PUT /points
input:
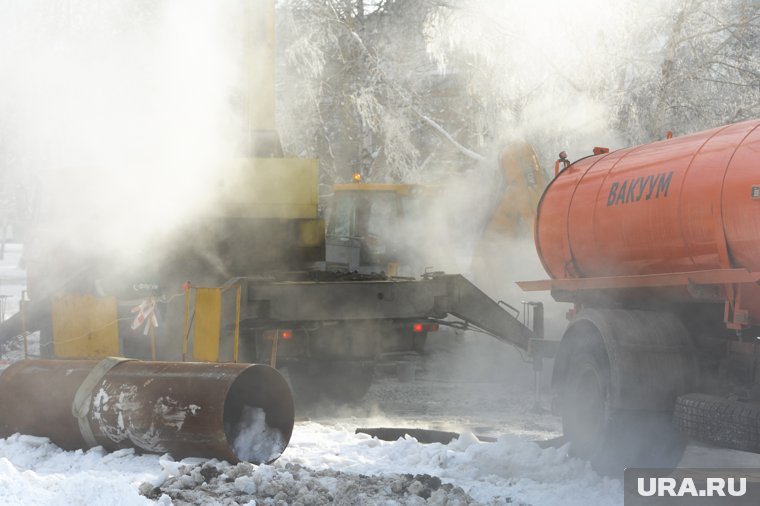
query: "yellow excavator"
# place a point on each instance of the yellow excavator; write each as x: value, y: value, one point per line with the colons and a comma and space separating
x: 383, y: 227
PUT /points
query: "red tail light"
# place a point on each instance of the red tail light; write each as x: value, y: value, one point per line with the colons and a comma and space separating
x: 286, y: 335
x: 419, y: 328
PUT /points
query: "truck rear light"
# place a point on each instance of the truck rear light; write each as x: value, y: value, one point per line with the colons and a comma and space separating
x: 419, y: 328
x: 285, y: 334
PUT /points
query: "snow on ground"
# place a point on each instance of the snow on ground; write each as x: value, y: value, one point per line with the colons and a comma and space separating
x: 323, y: 465
x: 468, y: 385
x: 35, y: 471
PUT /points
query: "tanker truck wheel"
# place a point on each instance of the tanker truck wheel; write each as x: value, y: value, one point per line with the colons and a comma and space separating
x: 719, y: 421
x: 584, y: 415
x: 611, y: 439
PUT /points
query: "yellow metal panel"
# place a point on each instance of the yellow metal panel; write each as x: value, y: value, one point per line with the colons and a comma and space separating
x: 312, y: 233
x: 284, y: 188
x: 208, y: 323
x: 85, y: 327
x: 237, y: 325
x: 402, y: 189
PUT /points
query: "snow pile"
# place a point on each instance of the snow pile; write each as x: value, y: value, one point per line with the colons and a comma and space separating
x: 326, y: 465
x: 214, y: 483
x: 254, y: 440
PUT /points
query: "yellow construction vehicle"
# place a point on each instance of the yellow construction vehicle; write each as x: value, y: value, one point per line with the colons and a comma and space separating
x: 239, y: 283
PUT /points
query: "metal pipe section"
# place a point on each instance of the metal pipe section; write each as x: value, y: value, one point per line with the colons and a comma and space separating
x: 234, y: 412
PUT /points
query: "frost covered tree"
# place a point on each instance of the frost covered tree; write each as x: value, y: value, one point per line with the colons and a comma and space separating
x: 359, y: 91
x: 396, y: 89
x: 631, y: 68
x: 703, y: 71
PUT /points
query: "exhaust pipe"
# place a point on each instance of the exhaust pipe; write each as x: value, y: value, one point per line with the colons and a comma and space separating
x: 232, y: 412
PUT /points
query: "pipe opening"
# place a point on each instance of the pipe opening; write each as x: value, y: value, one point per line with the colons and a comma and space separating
x: 258, y: 415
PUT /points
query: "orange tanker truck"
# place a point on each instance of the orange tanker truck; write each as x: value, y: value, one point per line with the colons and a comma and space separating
x: 658, y: 248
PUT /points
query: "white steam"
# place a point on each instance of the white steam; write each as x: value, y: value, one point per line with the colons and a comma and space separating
x: 255, y: 441
x: 543, y: 69
x: 115, y: 113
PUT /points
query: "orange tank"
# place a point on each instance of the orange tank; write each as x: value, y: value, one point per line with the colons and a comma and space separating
x: 681, y: 205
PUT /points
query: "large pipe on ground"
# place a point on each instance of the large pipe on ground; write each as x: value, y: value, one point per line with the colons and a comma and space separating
x: 235, y: 412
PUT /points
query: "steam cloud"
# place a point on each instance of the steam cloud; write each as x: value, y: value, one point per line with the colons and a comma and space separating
x: 115, y: 114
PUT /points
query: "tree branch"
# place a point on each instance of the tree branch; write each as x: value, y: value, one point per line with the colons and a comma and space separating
x: 438, y: 128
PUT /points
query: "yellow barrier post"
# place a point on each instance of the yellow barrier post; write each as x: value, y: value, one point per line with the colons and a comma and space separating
x: 187, y: 321
x: 207, y: 324
x: 237, y: 325
x: 23, y: 323
x: 152, y: 334
x: 209, y: 317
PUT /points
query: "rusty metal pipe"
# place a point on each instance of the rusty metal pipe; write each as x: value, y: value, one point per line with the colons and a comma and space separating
x: 182, y: 408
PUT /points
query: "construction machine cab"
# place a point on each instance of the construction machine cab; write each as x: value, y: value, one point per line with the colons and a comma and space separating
x: 369, y: 226
x: 397, y: 228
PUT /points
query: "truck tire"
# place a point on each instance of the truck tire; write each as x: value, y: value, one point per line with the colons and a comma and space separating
x: 719, y: 421
x: 584, y: 398
x: 340, y: 382
x: 611, y: 439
